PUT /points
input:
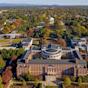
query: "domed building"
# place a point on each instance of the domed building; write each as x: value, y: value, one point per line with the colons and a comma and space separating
x: 51, y: 20
x: 52, y: 51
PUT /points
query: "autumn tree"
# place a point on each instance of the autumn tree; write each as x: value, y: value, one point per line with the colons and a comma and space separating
x: 61, y: 42
x: 7, y: 75
x: 13, y: 58
x: 2, y: 62
x: 59, y: 24
x: 29, y: 31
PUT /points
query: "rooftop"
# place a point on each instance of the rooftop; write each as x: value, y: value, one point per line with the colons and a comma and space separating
x: 51, y: 48
x: 53, y: 61
x: 27, y: 40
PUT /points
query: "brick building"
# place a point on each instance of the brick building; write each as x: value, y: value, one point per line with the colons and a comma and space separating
x: 54, y: 68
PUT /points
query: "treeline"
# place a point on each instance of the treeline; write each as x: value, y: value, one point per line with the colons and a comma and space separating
x: 75, y: 20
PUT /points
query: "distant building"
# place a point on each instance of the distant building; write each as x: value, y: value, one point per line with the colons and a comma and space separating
x: 10, y: 20
x: 11, y: 35
x: 42, y: 24
x: 81, y: 44
x: 51, y: 20
x: 82, y: 41
x: 1, y: 11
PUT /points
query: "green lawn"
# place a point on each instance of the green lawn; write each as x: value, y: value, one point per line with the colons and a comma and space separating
x: 10, y: 40
x: 16, y: 40
x: 4, y: 40
x: 76, y: 86
x: 51, y: 87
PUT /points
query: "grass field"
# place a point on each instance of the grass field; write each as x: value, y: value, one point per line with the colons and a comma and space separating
x: 10, y: 40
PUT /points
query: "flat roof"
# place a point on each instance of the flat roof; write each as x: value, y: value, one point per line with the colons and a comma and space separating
x: 53, y: 61
x: 27, y: 40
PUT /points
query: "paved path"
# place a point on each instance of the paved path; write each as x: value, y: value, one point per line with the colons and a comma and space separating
x: 44, y: 83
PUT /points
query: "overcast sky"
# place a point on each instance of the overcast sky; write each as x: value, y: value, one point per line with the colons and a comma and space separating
x: 48, y: 2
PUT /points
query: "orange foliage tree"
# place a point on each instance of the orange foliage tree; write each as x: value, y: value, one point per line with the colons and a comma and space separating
x: 7, y: 75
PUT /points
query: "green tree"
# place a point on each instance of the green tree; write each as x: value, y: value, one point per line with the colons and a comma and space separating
x: 47, y: 33
x: 28, y: 77
x: 59, y: 32
x: 2, y: 62
x: 24, y: 83
x: 73, y: 78
x: 1, y: 85
x: 19, y: 52
x: 51, y: 86
x: 79, y: 81
x: 40, y: 85
x: 67, y: 81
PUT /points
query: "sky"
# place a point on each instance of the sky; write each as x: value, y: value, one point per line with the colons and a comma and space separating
x: 47, y: 2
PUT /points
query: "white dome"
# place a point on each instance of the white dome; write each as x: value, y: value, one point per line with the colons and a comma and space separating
x: 52, y: 52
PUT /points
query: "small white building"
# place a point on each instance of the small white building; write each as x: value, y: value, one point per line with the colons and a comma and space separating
x: 27, y: 43
x: 82, y: 41
x: 80, y: 44
x: 51, y: 20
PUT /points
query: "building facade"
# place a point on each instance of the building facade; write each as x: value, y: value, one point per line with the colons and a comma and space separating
x: 53, y: 68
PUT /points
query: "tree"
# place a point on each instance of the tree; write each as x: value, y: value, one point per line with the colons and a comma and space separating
x: 61, y: 42
x: 79, y: 81
x: 7, y: 75
x: 19, y: 52
x: 29, y: 32
x: 13, y: 58
x: 59, y: 32
x: 80, y: 30
x: 39, y: 85
x: 24, y: 83
x: 5, y: 54
x: 9, y: 54
x: 46, y: 33
x: 73, y: 79
x: 28, y: 77
x: 1, y: 85
x: 67, y: 81
x: 2, y: 63
x: 51, y: 86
